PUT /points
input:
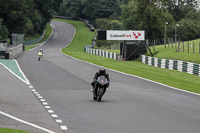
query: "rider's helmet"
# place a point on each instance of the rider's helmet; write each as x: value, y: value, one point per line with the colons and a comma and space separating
x: 102, y: 71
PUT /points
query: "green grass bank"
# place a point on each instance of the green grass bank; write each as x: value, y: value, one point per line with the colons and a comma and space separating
x: 5, y: 130
x: 185, y: 54
x: 169, y: 77
x: 47, y: 34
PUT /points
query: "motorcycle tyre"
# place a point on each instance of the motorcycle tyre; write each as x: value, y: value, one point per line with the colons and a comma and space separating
x: 100, y: 94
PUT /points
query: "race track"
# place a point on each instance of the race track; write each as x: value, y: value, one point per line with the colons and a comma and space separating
x: 131, y: 105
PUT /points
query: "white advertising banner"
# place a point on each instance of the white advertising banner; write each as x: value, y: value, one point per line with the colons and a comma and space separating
x: 125, y: 35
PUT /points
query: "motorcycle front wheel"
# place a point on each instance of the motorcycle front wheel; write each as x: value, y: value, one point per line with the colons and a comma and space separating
x: 100, y: 94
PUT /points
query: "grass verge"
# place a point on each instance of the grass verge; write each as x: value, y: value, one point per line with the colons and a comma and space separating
x: 32, y: 37
x: 47, y: 34
x: 169, y: 77
x: 5, y: 130
x: 170, y: 53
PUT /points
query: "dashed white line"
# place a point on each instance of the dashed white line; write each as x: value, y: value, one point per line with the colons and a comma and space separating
x: 63, y: 127
x: 37, y: 94
x: 54, y: 116
x: 47, y: 107
x: 50, y: 111
x: 31, y: 87
x: 42, y: 100
x: 33, y: 90
x: 45, y: 103
x: 59, y: 121
x: 40, y: 97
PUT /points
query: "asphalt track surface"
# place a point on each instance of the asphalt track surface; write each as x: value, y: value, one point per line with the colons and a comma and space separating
x: 131, y: 105
x: 17, y: 100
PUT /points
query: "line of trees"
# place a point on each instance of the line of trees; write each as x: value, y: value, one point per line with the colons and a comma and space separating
x: 148, y: 15
x: 26, y: 16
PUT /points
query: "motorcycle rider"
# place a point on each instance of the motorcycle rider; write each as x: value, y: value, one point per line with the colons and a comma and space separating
x: 102, y: 72
x: 40, y: 51
x: 40, y: 54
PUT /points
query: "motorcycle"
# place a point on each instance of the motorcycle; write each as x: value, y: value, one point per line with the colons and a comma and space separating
x: 102, y: 84
x: 40, y: 54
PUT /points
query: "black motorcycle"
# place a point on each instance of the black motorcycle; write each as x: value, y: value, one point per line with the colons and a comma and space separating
x: 102, y: 84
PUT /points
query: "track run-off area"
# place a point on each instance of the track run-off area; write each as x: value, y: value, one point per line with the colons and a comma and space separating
x: 58, y: 97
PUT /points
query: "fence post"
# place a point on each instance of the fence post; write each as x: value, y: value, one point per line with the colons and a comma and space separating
x: 179, y: 45
x: 193, y: 48
x: 188, y: 47
x: 175, y: 46
x: 199, y: 47
x: 168, y: 42
x: 183, y: 47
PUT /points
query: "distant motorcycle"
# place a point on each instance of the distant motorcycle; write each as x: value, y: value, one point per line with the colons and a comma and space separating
x: 40, y: 54
x: 102, y: 84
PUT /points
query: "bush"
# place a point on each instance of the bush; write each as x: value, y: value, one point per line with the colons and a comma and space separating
x: 115, y: 25
x: 102, y: 23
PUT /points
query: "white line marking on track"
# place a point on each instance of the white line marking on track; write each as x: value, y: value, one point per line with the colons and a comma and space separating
x: 51, y: 111
x: 47, y: 107
x: 14, y: 74
x: 133, y: 75
x: 42, y: 100
x: 54, y: 116
x: 27, y: 81
x: 63, y: 127
x: 43, y: 42
x: 25, y: 122
x: 59, y: 121
x: 45, y: 103
x: 33, y: 90
x: 31, y: 87
x: 40, y: 97
x: 127, y: 73
x: 36, y: 92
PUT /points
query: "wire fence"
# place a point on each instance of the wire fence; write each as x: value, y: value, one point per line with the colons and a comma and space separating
x: 179, y: 46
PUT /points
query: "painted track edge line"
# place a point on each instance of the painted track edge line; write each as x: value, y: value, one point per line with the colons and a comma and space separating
x: 43, y: 42
x: 126, y: 73
x: 134, y: 76
x: 14, y: 73
x: 27, y: 123
x: 27, y: 81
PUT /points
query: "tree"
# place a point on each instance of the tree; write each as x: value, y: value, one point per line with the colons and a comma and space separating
x: 179, y: 8
x: 3, y: 31
x: 145, y: 15
x: 94, y: 9
x: 189, y: 26
x: 73, y: 9
x: 46, y: 9
x: 115, y: 25
x: 14, y: 15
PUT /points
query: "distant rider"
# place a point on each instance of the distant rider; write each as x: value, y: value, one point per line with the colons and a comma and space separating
x: 40, y: 52
x: 102, y: 72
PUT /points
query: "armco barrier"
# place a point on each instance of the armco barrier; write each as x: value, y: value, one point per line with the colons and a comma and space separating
x: 181, y: 66
x: 103, y: 53
x: 36, y: 40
